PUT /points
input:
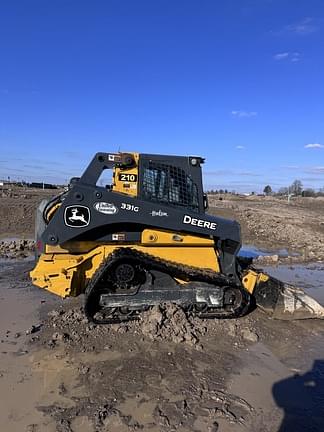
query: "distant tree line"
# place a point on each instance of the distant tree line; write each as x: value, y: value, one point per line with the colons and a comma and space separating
x: 295, y: 189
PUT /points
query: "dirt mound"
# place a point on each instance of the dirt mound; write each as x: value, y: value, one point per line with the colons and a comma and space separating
x: 169, y: 322
x: 165, y: 323
x: 18, y: 209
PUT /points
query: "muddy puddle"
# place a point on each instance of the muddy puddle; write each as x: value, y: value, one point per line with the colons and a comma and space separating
x: 252, y: 251
x: 309, y: 277
x: 20, y: 386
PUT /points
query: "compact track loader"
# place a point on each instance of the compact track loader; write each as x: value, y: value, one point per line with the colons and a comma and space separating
x: 146, y: 239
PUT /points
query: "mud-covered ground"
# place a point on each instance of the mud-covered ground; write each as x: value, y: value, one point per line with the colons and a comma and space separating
x: 164, y: 373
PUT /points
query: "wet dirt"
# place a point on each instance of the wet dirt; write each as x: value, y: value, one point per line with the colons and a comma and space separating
x: 163, y: 373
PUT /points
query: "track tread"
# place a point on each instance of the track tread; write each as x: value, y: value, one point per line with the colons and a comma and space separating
x: 172, y: 268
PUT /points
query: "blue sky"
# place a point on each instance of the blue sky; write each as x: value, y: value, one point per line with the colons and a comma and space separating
x: 240, y: 82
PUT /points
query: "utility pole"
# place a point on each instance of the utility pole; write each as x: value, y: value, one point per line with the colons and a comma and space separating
x: 289, y: 195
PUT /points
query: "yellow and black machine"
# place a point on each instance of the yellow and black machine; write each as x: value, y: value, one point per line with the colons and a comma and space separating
x: 146, y: 239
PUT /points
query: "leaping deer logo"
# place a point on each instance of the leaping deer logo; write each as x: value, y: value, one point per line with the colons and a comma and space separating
x: 76, y: 217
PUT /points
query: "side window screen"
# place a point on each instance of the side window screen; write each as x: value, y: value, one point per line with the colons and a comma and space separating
x: 168, y: 184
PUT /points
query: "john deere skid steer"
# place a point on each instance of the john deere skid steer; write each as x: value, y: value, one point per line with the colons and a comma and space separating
x: 146, y: 239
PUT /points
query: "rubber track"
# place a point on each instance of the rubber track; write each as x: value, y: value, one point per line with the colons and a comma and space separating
x: 171, y: 268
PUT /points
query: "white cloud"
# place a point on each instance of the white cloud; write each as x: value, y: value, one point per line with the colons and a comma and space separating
x: 289, y: 56
x: 315, y: 145
x: 218, y: 173
x: 240, y: 147
x: 302, y: 27
x: 242, y: 114
x: 292, y: 167
x: 281, y: 56
x: 315, y: 170
x: 249, y: 174
x: 319, y: 169
x: 295, y: 57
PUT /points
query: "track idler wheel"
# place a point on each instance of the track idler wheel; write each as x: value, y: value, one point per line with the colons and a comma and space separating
x: 233, y: 298
x: 237, y: 302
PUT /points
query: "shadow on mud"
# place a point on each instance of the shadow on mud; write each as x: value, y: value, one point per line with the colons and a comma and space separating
x: 302, y: 399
